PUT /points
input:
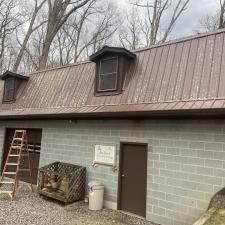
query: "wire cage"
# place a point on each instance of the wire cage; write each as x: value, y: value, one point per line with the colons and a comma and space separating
x: 62, y: 181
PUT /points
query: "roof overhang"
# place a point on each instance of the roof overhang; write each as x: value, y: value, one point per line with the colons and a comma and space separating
x: 12, y: 74
x: 106, y: 50
x: 126, y: 115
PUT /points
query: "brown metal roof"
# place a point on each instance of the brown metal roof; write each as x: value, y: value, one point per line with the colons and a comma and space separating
x: 186, y: 75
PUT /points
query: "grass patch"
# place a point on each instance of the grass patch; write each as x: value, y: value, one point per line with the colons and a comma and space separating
x: 215, y: 219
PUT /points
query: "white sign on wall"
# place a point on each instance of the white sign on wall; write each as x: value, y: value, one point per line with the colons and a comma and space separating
x: 105, y: 155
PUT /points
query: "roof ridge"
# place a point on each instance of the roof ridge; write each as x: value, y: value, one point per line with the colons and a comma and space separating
x: 60, y: 67
x: 182, y: 39
x: 175, y: 41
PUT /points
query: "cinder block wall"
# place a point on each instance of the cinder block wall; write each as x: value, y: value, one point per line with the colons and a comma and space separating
x: 186, y: 159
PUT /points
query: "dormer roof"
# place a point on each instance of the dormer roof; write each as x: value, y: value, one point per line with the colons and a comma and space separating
x: 12, y: 74
x: 107, y: 50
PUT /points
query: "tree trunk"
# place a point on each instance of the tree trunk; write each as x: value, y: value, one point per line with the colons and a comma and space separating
x: 23, y: 47
x: 27, y: 37
x: 57, y: 16
x: 221, y: 19
x: 45, y: 51
x: 52, y: 29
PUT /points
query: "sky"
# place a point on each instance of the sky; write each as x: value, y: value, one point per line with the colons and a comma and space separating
x: 189, y: 21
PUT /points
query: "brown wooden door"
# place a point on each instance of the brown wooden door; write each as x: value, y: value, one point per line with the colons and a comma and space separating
x: 133, y: 178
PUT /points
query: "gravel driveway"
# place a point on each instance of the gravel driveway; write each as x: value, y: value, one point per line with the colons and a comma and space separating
x: 30, y: 209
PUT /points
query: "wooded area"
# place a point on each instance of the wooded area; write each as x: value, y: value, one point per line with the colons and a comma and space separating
x: 38, y: 34
x: 214, y: 21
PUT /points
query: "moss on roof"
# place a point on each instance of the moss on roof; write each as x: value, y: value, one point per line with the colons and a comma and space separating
x: 216, y: 219
x: 212, y: 217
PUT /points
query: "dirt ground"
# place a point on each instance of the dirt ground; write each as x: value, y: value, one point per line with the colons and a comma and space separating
x: 31, y: 209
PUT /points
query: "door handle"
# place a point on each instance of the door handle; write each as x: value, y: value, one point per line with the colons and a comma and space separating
x: 122, y: 175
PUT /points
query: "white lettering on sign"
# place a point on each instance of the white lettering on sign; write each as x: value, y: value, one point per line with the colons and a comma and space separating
x: 105, y: 154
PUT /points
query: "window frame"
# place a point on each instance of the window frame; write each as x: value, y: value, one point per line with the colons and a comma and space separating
x: 5, y: 99
x: 99, y: 75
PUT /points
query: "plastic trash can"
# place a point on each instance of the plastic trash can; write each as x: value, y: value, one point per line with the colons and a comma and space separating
x: 96, y: 192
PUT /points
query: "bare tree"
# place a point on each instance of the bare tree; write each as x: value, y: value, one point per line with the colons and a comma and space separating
x: 77, y: 27
x: 222, y: 14
x: 8, y: 24
x: 58, y: 32
x: 155, y: 11
x: 35, y: 51
x: 31, y: 57
x: 208, y: 23
x: 130, y: 33
x: 30, y: 30
x: 106, y: 23
x: 58, y: 13
x: 213, y: 21
x: 88, y: 30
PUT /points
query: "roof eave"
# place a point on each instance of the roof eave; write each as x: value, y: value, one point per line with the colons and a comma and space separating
x: 155, y: 114
x: 12, y: 74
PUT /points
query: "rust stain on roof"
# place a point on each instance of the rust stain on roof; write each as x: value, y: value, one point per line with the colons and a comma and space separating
x: 187, y: 74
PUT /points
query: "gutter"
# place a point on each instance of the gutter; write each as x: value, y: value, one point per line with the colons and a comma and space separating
x: 155, y: 114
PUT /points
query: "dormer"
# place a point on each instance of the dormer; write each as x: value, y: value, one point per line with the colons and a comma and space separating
x: 11, y: 85
x: 112, y: 63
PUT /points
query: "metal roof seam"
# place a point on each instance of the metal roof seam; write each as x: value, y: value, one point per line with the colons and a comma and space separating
x: 177, y: 72
x: 223, y: 49
x: 182, y: 89
x: 194, y: 68
x: 155, y: 75
x: 201, y: 76
x: 210, y: 75
x: 183, y: 75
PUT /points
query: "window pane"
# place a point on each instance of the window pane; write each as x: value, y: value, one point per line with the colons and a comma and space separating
x: 9, y: 95
x: 9, y: 89
x: 108, y: 66
x: 9, y: 83
x: 107, y: 82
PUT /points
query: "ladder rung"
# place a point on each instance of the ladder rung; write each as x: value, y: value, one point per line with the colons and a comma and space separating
x: 24, y: 170
x: 7, y: 182
x: 12, y: 164
x: 16, y: 146
x: 20, y: 131
x: 13, y: 155
x: 10, y: 173
x: 7, y: 192
x: 17, y: 139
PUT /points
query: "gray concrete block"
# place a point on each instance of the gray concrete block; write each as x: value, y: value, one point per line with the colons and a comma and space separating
x: 197, y: 145
x: 213, y: 146
x: 159, y: 211
x: 186, y: 160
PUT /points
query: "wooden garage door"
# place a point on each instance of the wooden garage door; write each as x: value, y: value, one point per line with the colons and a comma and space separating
x: 133, y: 178
x: 34, y: 147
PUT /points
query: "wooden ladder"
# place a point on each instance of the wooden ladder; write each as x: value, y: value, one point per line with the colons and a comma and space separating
x: 17, y: 152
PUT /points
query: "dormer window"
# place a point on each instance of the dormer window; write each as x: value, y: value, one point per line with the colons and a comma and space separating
x: 11, y: 86
x: 112, y: 63
x: 108, y: 73
x: 9, y: 89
